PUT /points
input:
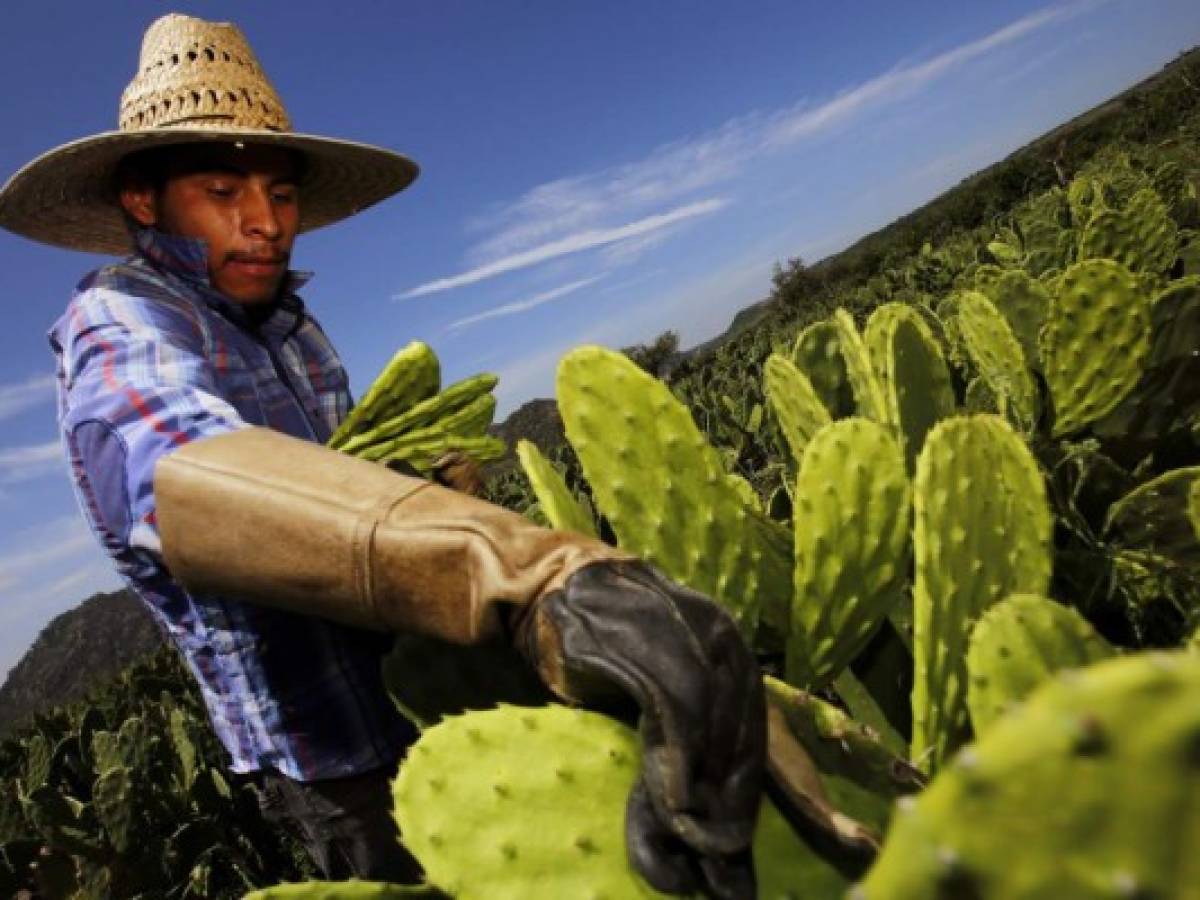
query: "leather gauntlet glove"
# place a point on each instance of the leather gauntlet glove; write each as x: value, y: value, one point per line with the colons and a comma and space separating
x: 275, y: 520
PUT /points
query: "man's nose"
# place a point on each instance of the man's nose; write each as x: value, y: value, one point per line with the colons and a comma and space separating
x: 259, y: 216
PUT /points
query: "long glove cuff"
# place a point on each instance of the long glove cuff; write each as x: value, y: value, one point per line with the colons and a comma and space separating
x: 272, y: 519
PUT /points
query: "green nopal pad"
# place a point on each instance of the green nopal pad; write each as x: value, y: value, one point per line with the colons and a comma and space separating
x: 411, y: 376
x: 793, y: 399
x: 560, y: 506
x: 1095, y: 341
x: 851, y: 520
x: 882, y: 324
x: 1091, y: 789
x: 344, y: 890
x: 466, y: 407
x: 1142, y: 237
x: 818, y: 354
x: 868, y: 391
x: 1168, y: 392
x: 1194, y: 508
x: 1024, y: 302
x: 982, y: 532
x: 841, y: 746
x: 1157, y: 518
x: 917, y: 384
x: 997, y: 355
x: 664, y: 488
x: 530, y: 802
x: 979, y: 397
x: 1017, y: 645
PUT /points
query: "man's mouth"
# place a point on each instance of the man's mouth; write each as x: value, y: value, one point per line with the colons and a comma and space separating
x: 255, y: 264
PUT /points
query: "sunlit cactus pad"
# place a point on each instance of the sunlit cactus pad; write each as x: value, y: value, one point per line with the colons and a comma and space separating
x: 981, y: 532
x: 344, y: 890
x: 1095, y: 341
x: 664, y: 489
x: 1020, y: 643
x: 523, y: 802
x: 1091, y: 789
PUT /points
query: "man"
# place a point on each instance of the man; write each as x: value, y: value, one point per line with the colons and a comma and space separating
x: 195, y: 393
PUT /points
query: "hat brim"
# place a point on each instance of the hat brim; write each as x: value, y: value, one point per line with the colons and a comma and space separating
x: 67, y: 197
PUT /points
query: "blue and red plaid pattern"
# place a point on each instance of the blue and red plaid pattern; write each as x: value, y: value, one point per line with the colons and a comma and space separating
x: 149, y: 357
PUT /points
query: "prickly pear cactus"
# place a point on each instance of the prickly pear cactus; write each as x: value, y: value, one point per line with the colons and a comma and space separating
x: 664, y: 489
x: 1142, y: 237
x: 1089, y: 790
x: 1095, y: 341
x: 982, y: 532
x: 1024, y: 302
x: 979, y: 398
x: 1156, y: 518
x: 818, y: 354
x: 851, y: 521
x: 997, y: 355
x: 411, y: 376
x: 868, y: 392
x: 799, y: 410
x: 519, y: 802
x: 1194, y: 508
x: 561, y: 507
x: 916, y: 384
x: 1017, y: 645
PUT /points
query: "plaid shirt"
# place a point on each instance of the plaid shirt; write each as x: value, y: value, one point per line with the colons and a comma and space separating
x: 149, y: 357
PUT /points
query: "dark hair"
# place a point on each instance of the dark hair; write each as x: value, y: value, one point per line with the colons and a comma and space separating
x: 154, y: 165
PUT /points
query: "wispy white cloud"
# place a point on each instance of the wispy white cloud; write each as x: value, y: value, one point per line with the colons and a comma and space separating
x: 574, y: 243
x: 26, y: 463
x: 519, y: 306
x: 551, y: 217
x: 44, y: 547
x: 16, y: 398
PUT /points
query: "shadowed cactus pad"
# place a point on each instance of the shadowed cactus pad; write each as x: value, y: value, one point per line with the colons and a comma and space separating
x: 1023, y: 301
x: 664, y: 490
x: 818, y: 354
x: 982, y: 532
x: 851, y: 520
x: 1017, y: 645
x: 1091, y: 789
x: 530, y: 802
x: 1156, y: 518
x: 1095, y: 341
x: 561, y: 507
x: 793, y: 399
x: 997, y: 355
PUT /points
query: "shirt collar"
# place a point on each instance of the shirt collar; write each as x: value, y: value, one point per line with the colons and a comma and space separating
x: 187, y: 257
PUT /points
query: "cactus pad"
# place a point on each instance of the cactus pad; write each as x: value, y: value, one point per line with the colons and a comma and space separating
x: 997, y: 355
x: 868, y: 391
x: 800, y: 412
x: 1095, y: 341
x: 411, y: 376
x: 851, y: 520
x: 519, y: 802
x: 1017, y: 645
x: 1140, y: 237
x: 818, y: 354
x: 1091, y: 789
x: 1156, y: 518
x: 1023, y: 301
x: 664, y: 489
x: 982, y: 532
x: 916, y: 383
x: 561, y: 507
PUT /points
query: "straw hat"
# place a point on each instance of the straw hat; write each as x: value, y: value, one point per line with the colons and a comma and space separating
x: 196, y: 81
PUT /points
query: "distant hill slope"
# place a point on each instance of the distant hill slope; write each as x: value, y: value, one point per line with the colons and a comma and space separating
x: 77, y: 651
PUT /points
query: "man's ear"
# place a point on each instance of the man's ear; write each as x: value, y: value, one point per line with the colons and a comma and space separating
x: 138, y: 200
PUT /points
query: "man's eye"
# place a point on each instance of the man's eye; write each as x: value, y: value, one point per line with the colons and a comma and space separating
x: 284, y: 196
x: 220, y: 190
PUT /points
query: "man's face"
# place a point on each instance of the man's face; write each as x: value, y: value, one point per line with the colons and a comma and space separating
x: 242, y: 201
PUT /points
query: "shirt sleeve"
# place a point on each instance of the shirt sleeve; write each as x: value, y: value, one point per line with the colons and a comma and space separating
x: 137, y: 383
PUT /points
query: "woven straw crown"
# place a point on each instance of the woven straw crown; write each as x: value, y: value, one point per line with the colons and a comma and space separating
x: 196, y: 82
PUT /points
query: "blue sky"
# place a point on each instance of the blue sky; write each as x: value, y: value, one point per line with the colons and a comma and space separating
x: 591, y: 172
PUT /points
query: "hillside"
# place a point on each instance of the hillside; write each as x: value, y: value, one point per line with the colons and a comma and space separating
x: 77, y: 651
